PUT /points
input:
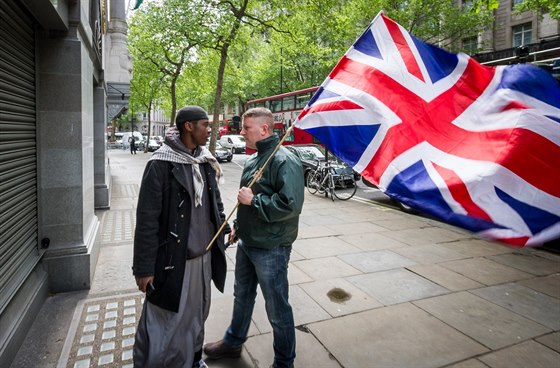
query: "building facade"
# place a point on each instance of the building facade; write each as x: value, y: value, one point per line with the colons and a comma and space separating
x: 539, y: 33
x: 156, y: 124
x: 53, y: 161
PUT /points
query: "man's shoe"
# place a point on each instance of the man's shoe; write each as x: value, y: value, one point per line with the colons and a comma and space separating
x: 219, y: 349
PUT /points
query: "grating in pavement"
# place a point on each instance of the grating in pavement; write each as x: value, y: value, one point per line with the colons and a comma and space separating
x: 102, y: 332
x: 118, y: 226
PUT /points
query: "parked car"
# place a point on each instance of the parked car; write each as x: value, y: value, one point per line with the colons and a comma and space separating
x: 235, y: 142
x: 157, y: 138
x: 311, y: 154
x: 402, y: 206
x: 153, y: 145
x: 222, y: 153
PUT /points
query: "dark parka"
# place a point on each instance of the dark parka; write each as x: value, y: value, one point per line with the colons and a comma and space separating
x: 272, y: 218
x: 162, y: 230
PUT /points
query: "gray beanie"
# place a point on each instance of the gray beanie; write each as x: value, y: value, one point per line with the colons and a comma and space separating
x: 190, y: 113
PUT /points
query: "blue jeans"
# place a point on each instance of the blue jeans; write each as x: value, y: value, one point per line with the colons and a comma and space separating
x: 269, y: 269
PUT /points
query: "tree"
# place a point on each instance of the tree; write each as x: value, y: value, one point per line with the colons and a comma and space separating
x: 145, y: 88
x: 257, y: 48
x: 168, y: 34
x: 552, y: 7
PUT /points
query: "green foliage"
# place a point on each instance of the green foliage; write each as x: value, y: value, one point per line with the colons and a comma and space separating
x: 552, y: 7
x: 274, y: 46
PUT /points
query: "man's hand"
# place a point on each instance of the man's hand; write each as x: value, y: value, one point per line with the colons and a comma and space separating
x: 232, y: 238
x: 245, y: 196
x: 142, y: 282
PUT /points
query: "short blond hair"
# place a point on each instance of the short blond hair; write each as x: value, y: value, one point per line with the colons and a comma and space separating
x: 261, y: 112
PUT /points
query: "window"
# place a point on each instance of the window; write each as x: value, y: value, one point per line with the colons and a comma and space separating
x: 470, y: 45
x: 521, y: 35
x: 515, y: 2
x: 301, y: 100
x: 275, y: 105
x: 288, y: 103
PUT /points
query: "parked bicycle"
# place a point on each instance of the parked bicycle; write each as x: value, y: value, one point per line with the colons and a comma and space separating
x: 325, y: 180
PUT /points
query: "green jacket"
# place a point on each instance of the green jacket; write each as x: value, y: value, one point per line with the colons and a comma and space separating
x: 272, y: 218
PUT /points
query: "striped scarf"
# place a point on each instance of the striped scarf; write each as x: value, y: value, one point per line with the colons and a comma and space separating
x: 173, y: 150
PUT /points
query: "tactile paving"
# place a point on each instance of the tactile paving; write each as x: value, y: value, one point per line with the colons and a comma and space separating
x: 102, y: 332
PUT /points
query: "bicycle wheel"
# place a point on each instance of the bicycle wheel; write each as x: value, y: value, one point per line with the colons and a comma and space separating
x: 344, y: 186
x: 313, y: 182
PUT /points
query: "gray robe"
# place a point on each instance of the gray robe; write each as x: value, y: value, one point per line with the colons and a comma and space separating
x: 168, y: 339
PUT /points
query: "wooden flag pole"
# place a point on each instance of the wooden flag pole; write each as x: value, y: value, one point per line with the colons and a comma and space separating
x: 256, y: 177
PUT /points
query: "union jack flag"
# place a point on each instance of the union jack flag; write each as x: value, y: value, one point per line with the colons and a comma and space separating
x: 475, y: 146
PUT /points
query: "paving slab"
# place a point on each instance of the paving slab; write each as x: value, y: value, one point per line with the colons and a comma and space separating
x: 549, y: 285
x: 228, y: 287
x: 296, y: 275
x: 396, y: 286
x: 115, y: 264
x: 527, y: 354
x: 429, y: 254
x: 326, y: 268
x: 471, y: 363
x: 356, y: 228
x: 339, y: 297
x: 219, y: 319
x: 486, y: 271
x: 423, y: 235
x: 486, y: 322
x: 445, y: 277
x: 373, y: 213
x: 551, y: 340
x: 359, y: 216
x: 524, y: 301
x: 323, y: 247
x: 305, y: 310
x: 478, y: 247
x: 396, y: 336
x: 529, y: 261
x: 295, y: 256
x: 402, y: 223
x: 371, y: 241
x: 315, y: 231
x: 379, y: 260
x: 316, y: 219
x: 309, y: 352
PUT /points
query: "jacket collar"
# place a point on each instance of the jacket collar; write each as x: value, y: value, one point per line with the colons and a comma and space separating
x: 266, y: 145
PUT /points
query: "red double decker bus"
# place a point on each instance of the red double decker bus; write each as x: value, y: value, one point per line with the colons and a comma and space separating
x: 285, y: 108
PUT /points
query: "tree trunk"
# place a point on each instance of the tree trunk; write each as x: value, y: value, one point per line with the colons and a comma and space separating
x: 173, y: 90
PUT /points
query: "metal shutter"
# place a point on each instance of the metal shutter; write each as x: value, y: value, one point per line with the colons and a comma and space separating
x: 18, y: 150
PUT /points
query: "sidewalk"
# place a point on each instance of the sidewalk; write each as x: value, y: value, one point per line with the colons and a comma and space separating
x: 370, y: 287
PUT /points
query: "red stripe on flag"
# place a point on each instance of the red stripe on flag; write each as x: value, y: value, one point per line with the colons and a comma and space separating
x: 331, y: 106
x: 460, y: 193
x: 335, y: 106
x: 404, y: 48
x: 515, y: 242
x: 514, y: 105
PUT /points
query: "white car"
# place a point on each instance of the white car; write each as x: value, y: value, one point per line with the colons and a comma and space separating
x: 235, y: 142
